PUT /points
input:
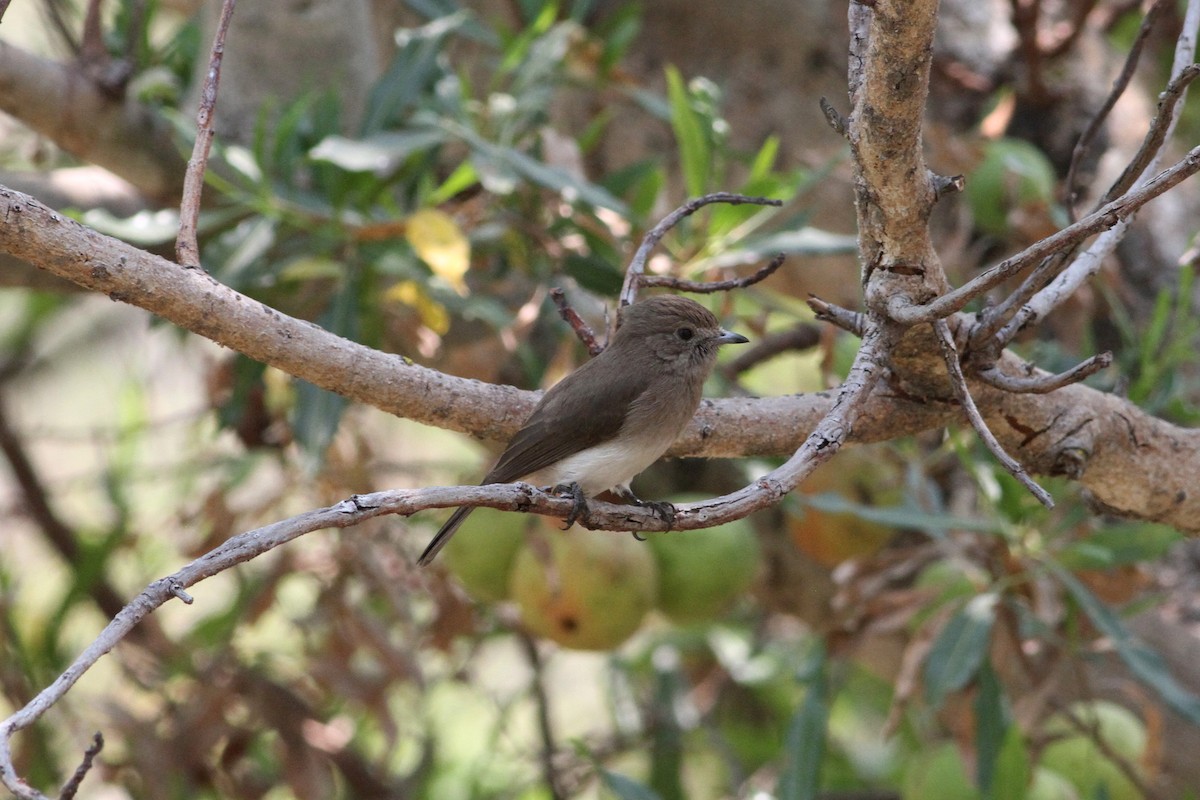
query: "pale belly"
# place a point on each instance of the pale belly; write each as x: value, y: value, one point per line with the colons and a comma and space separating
x: 603, y: 467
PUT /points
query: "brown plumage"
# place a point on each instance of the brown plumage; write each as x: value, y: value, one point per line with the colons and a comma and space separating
x: 618, y: 413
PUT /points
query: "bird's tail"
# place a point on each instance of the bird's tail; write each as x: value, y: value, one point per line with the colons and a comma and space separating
x: 443, y: 535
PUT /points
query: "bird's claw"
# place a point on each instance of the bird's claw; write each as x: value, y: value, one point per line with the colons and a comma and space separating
x: 580, y: 507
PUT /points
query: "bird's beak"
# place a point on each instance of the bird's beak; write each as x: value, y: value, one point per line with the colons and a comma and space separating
x: 729, y: 337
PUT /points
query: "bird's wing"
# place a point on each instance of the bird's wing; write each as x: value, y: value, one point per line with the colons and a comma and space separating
x: 554, y: 431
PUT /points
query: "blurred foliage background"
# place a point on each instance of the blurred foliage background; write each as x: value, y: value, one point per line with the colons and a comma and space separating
x: 912, y: 625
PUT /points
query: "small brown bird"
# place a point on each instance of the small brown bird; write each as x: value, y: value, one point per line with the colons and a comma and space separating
x: 597, y: 428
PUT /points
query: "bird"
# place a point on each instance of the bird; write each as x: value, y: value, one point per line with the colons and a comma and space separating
x: 616, y: 414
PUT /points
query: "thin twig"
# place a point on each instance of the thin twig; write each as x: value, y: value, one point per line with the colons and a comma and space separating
x: 844, y: 318
x: 708, y: 287
x: 834, y: 117
x: 959, y: 385
x: 71, y: 788
x: 187, y: 249
x: 570, y: 316
x: 1066, y: 281
x: 1084, y: 144
x: 1110, y: 215
x: 1168, y: 104
x: 637, y: 267
x: 542, y: 703
x: 1043, y: 384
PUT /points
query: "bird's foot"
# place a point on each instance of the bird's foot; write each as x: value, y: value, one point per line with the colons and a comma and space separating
x: 580, y: 508
x: 660, y: 508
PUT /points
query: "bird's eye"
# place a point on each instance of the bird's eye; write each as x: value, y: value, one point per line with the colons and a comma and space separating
x: 685, y: 333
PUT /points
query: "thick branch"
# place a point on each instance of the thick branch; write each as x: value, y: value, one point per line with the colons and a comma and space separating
x: 722, y: 428
x: 61, y: 103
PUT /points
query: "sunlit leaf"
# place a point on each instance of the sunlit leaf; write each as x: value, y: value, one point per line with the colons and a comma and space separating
x: 380, y: 153
x: 694, y: 154
x: 410, y: 293
x: 440, y: 243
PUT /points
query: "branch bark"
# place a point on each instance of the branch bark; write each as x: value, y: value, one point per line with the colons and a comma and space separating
x: 120, y: 135
x: 1112, y: 463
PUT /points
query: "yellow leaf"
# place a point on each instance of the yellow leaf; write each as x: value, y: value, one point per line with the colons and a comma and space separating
x: 441, y: 244
x: 432, y: 313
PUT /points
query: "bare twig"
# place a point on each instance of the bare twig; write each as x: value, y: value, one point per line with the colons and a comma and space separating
x: 1083, y: 145
x: 1043, y: 384
x: 1102, y: 219
x: 1025, y: 17
x: 542, y: 704
x: 570, y: 316
x: 637, y: 267
x: 844, y: 318
x: 187, y: 250
x: 1169, y: 102
x: 1064, y: 282
x: 71, y: 788
x: 833, y: 117
x: 959, y: 384
x: 708, y: 287
x: 947, y: 184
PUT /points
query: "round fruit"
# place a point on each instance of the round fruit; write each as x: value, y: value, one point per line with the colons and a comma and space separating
x: 938, y: 774
x: 1013, y: 175
x: 858, y: 476
x: 587, y: 590
x: 701, y: 573
x: 1081, y: 761
x: 481, y: 554
x: 1049, y: 785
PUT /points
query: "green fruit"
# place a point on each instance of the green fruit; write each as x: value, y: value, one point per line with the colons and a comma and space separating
x: 701, y: 573
x: 587, y: 590
x: 481, y: 554
x: 938, y: 774
x: 1013, y: 174
x: 1049, y: 785
x: 1081, y: 761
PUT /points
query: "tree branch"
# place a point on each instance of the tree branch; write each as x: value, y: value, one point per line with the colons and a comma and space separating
x: 122, y: 136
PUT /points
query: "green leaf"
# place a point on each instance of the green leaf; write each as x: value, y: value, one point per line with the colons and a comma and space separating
x: 1120, y: 544
x: 694, y: 153
x: 960, y: 648
x: 804, y: 747
x: 666, y: 744
x: 1146, y: 664
x: 413, y: 70
x: 899, y: 516
x: 379, y: 153
x: 626, y: 788
x: 594, y: 274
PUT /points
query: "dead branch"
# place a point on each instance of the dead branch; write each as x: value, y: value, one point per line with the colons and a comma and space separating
x: 709, y: 287
x: 637, y: 266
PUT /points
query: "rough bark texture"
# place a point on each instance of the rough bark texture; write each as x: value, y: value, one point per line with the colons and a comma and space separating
x: 1130, y: 462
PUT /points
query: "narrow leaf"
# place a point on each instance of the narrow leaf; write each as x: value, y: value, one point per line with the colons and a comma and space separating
x: 960, y: 649
x: 1146, y: 664
x: 693, y: 144
x: 626, y: 788
x: 804, y: 748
